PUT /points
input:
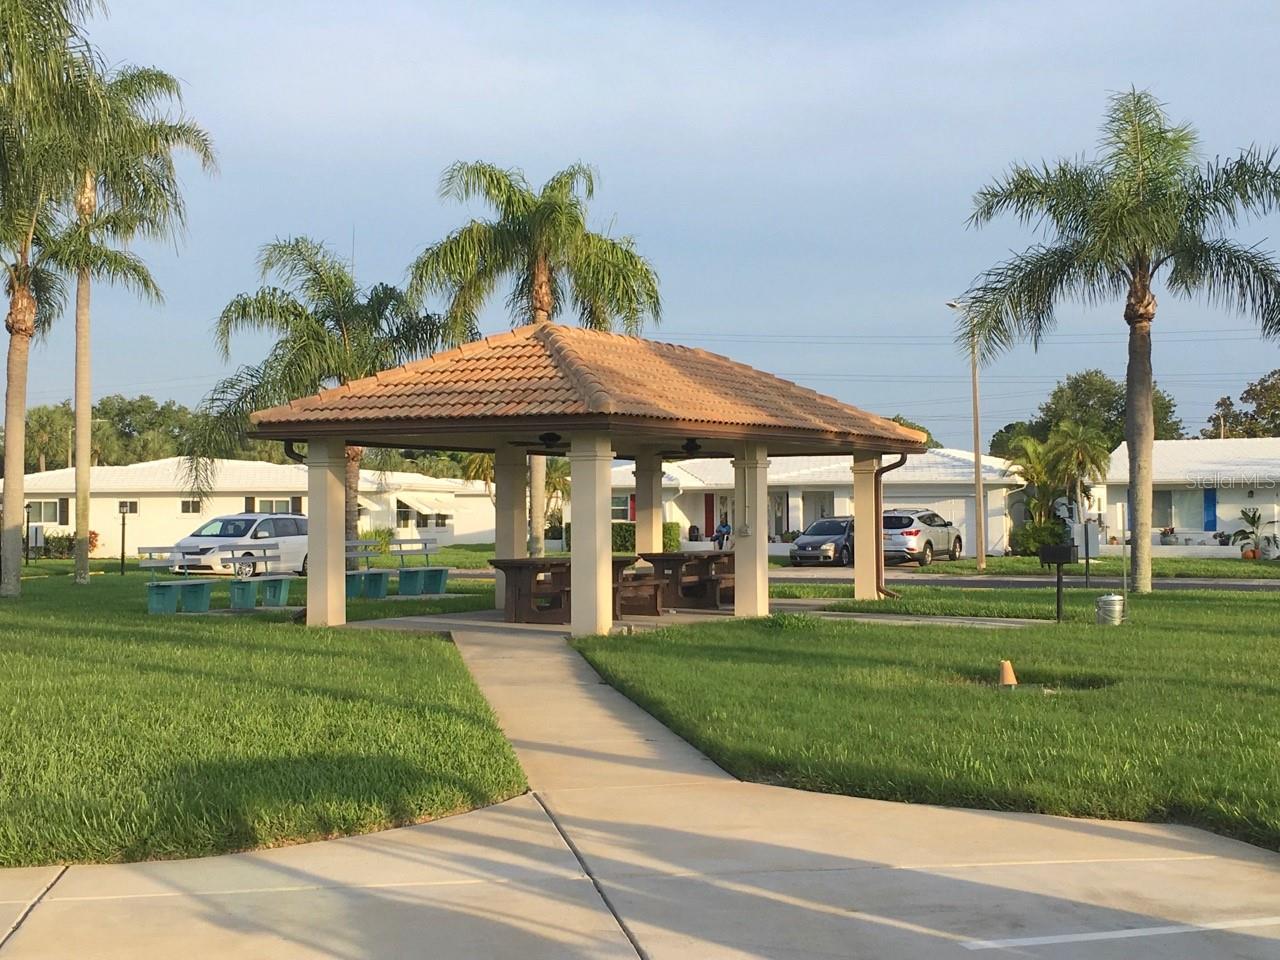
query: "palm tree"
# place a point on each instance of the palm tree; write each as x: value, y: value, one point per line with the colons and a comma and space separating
x: 1029, y: 461
x: 38, y: 247
x: 540, y: 245
x: 478, y: 468
x: 557, y: 483
x: 1077, y: 455
x: 46, y: 433
x: 1145, y: 210
x: 330, y: 331
x: 126, y: 185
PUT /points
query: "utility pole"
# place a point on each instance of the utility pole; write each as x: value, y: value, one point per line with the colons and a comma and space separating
x: 979, y: 499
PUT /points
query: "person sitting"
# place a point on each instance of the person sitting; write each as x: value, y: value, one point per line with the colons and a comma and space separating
x: 723, y: 532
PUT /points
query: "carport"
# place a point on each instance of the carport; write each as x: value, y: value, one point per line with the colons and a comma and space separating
x: 594, y: 397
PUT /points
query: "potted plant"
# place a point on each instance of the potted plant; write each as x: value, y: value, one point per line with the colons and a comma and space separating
x: 1251, y: 534
x: 1167, y: 537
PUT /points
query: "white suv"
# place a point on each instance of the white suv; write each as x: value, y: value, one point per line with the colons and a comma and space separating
x: 202, y: 551
x: 919, y: 535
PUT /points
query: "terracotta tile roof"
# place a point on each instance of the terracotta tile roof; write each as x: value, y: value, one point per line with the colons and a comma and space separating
x: 551, y: 370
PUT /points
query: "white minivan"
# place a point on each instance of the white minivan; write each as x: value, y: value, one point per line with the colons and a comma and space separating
x: 202, y: 552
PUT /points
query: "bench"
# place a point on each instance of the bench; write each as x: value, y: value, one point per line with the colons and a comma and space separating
x: 417, y: 581
x: 245, y: 559
x: 166, y: 596
x: 368, y: 582
x: 639, y: 594
x: 537, y: 589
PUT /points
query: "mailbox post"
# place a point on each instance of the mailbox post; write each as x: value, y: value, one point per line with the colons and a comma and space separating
x: 1056, y: 554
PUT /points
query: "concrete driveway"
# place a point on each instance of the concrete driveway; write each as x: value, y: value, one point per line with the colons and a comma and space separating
x: 633, y: 844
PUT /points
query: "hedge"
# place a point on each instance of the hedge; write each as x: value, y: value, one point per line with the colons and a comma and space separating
x: 624, y: 536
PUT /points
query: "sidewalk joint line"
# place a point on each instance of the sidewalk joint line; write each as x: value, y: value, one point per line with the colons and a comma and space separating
x: 35, y: 902
x: 604, y: 897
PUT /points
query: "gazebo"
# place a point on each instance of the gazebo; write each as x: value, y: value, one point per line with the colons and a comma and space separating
x: 594, y: 397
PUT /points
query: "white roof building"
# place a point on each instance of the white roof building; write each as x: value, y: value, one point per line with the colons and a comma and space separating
x: 1199, y: 487
x: 161, y: 509
x: 804, y: 489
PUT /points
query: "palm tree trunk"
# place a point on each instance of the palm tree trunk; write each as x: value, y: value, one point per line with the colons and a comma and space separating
x: 21, y: 324
x: 1140, y: 428
x: 543, y: 304
x: 86, y: 207
x: 537, y: 505
x: 352, y: 515
x: 84, y: 427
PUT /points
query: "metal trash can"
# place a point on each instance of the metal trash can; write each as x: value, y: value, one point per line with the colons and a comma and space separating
x: 1110, y: 609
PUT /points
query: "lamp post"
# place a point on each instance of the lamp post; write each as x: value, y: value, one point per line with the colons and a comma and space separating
x: 26, y: 557
x: 979, y: 500
x: 124, y: 512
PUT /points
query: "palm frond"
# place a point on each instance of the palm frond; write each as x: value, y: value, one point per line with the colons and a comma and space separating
x: 506, y: 191
x: 270, y: 309
x: 1225, y: 191
x: 612, y: 282
x: 1059, y: 195
x: 1016, y: 300
x: 1244, y: 279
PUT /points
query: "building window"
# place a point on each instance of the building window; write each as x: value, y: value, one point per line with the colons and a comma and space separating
x: 43, y: 511
x: 442, y: 520
x: 404, y: 515
x: 620, y: 508
x: 190, y: 506
x: 271, y: 505
x: 127, y: 506
x: 1162, y: 508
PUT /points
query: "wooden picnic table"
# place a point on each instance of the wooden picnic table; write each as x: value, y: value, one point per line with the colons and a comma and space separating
x: 693, y: 578
x: 537, y: 589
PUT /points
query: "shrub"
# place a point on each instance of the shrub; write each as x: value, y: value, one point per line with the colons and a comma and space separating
x: 623, y: 537
x: 1026, y: 540
x: 670, y: 537
x: 59, y: 546
x: 384, y: 536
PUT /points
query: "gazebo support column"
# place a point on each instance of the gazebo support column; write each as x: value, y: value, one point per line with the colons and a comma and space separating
x: 751, y: 531
x: 326, y: 533
x: 511, y: 516
x: 868, y: 544
x: 648, y: 502
x: 591, y: 551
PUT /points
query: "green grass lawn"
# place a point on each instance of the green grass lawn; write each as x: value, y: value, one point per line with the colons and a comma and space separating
x: 1174, y: 716
x: 1222, y: 568
x: 128, y: 736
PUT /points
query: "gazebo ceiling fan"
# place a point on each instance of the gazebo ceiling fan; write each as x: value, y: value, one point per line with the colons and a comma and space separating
x: 689, y: 449
x: 547, y: 441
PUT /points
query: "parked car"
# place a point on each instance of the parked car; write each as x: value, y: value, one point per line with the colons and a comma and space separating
x: 202, y: 551
x: 919, y: 535
x: 829, y: 540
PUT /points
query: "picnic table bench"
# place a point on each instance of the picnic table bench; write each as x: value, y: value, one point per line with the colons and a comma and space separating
x: 538, y: 591
x: 165, y: 596
x: 367, y: 582
x: 417, y: 581
x: 699, y: 579
x: 252, y: 562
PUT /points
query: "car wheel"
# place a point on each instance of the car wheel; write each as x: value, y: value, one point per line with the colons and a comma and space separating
x: 303, y: 571
x: 246, y: 568
x: 846, y: 557
x: 926, y: 555
x: 956, y: 549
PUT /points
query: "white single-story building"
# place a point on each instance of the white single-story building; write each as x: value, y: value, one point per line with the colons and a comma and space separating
x: 1199, y: 488
x: 161, y: 510
x: 804, y: 489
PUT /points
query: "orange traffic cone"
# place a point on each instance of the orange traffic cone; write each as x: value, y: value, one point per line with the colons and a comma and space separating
x: 1008, y: 678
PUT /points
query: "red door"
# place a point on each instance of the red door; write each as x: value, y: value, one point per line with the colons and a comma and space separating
x: 709, y: 514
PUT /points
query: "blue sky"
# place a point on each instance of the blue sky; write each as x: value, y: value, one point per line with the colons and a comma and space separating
x: 799, y: 174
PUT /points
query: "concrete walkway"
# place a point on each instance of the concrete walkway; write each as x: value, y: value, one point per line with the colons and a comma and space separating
x: 634, y: 844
